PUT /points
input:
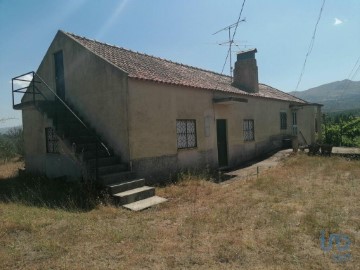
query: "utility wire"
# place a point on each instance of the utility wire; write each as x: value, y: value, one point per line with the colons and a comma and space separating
x: 227, y: 56
x: 238, y: 21
x: 312, y: 41
x: 357, y: 61
x: 233, y: 36
x: 350, y: 77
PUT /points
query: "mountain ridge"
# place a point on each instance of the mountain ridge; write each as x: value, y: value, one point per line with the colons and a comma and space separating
x: 335, y: 96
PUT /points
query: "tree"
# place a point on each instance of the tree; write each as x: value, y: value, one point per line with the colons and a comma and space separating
x: 342, y: 130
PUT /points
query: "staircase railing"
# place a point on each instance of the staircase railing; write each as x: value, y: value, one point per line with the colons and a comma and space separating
x: 35, y: 91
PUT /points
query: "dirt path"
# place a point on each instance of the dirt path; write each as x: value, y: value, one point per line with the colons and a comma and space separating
x: 257, y: 167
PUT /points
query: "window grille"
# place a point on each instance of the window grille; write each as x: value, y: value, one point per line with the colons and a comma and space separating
x: 186, y: 133
x: 283, y: 120
x: 249, y: 132
x: 52, y: 141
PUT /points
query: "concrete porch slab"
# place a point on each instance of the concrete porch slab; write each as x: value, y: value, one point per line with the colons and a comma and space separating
x: 146, y: 203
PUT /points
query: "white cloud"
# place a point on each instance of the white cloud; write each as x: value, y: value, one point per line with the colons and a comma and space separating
x: 338, y: 21
x: 25, y: 81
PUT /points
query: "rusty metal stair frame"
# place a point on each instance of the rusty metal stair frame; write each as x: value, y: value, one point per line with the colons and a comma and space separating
x: 110, y: 172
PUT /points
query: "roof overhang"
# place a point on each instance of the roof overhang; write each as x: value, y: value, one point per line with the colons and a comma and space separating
x: 299, y: 106
x: 229, y: 100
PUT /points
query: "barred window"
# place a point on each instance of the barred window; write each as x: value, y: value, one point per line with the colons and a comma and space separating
x: 51, y: 140
x: 186, y: 133
x: 249, y: 132
x: 283, y: 120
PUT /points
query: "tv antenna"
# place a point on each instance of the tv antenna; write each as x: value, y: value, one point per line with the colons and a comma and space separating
x: 230, y: 41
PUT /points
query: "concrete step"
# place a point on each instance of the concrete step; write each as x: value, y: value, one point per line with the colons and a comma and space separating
x: 101, y: 153
x: 121, y: 187
x: 134, y: 195
x: 113, y: 178
x: 82, y: 139
x: 85, y: 147
x: 103, y: 170
x: 145, y: 203
x: 106, y: 161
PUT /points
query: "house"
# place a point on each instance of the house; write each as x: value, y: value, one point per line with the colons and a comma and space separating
x: 148, y: 115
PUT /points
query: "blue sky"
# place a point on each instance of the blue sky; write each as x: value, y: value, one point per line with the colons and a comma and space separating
x: 181, y: 30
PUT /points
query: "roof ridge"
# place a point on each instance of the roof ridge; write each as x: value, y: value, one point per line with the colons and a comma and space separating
x: 145, y: 54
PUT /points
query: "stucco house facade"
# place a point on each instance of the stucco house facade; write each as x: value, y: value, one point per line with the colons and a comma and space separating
x: 151, y: 116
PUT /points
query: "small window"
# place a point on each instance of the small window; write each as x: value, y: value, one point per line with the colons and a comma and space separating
x: 51, y: 141
x: 249, y: 132
x: 186, y: 133
x: 283, y: 120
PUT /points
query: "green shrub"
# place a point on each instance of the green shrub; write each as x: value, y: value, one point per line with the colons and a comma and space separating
x: 11, y: 144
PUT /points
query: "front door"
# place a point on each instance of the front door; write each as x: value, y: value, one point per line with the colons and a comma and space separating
x: 59, y: 75
x: 222, y: 142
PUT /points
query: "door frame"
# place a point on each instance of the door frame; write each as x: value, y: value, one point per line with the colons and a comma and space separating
x: 222, y: 146
x: 59, y: 85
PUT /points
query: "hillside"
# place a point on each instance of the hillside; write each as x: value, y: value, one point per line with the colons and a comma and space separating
x: 336, y: 96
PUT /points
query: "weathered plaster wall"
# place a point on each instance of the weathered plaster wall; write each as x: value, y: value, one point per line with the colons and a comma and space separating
x: 306, y: 123
x: 36, y: 159
x: 95, y: 88
x: 154, y: 109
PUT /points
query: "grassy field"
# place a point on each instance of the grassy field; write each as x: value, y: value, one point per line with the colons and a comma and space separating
x: 271, y: 222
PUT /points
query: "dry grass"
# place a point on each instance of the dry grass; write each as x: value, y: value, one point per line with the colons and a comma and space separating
x: 272, y: 222
x: 9, y: 169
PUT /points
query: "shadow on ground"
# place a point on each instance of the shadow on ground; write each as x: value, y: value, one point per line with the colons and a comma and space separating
x: 40, y: 191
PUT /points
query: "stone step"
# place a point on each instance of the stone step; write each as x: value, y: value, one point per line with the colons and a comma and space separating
x: 82, y: 139
x: 106, y: 161
x: 121, y: 187
x: 134, y: 195
x: 101, y: 153
x: 113, y: 178
x: 103, y: 170
x: 85, y: 146
x: 145, y: 203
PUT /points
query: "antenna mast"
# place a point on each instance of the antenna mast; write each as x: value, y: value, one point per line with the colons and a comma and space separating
x: 230, y: 41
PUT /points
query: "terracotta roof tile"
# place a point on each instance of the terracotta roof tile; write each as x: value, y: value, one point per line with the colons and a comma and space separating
x: 146, y: 67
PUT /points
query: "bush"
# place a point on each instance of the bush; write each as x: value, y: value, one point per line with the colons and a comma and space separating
x: 342, y: 130
x: 16, y: 135
x: 12, y: 144
x: 7, y: 150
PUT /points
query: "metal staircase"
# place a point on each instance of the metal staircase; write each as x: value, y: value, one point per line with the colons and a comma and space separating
x: 102, y: 165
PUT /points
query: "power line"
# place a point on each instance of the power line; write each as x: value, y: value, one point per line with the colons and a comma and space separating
x: 231, y: 40
x: 356, y: 71
x: 238, y: 21
x: 312, y: 41
x: 350, y: 77
x: 226, y: 58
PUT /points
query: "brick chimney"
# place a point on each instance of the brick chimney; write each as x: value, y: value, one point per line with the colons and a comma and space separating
x: 246, y: 72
